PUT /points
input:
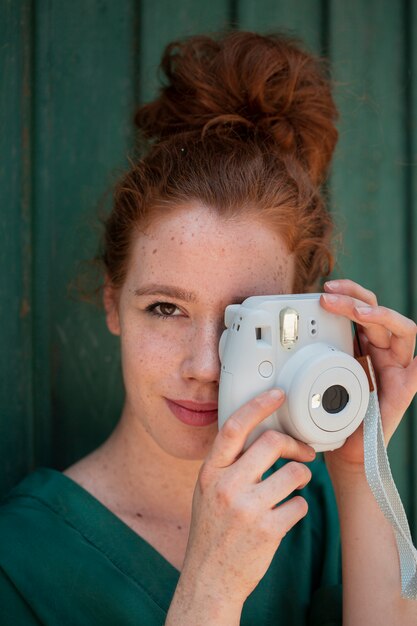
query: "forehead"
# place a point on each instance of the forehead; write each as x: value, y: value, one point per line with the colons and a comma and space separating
x: 196, y: 249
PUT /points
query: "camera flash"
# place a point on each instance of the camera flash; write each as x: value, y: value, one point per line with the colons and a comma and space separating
x: 316, y: 401
x: 288, y: 321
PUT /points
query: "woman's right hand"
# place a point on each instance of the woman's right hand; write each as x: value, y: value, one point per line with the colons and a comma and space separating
x: 238, y: 520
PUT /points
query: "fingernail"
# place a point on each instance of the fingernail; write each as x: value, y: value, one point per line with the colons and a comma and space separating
x: 363, y: 310
x: 330, y: 299
x: 312, y: 453
x: 332, y: 284
x: 276, y: 394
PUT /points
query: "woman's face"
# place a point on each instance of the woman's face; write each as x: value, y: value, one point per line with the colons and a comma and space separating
x: 170, y: 314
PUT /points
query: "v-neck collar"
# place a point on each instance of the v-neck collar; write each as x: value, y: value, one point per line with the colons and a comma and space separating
x: 127, y: 550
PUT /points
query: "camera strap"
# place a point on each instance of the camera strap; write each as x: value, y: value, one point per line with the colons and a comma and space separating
x: 379, y: 477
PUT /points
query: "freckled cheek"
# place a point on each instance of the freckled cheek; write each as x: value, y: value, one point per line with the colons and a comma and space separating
x: 149, y: 354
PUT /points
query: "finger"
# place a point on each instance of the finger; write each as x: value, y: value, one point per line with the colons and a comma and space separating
x: 350, y: 288
x: 378, y: 335
x: 361, y: 343
x: 283, y: 482
x: 401, y: 345
x: 360, y: 294
x: 287, y: 514
x: 270, y: 446
x: 402, y: 329
x: 412, y: 381
x: 384, y: 328
x: 232, y: 436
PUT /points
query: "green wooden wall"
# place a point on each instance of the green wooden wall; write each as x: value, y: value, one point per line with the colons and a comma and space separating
x: 71, y: 74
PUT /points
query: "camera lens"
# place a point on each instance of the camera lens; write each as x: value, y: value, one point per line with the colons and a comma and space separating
x: 335, y: 398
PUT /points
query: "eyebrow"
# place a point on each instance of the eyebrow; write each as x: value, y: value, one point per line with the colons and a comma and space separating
x: 176, y: 292
x: 166, y: 290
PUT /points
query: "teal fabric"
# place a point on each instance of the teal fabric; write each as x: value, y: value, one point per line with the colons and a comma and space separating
x: 65, y: 559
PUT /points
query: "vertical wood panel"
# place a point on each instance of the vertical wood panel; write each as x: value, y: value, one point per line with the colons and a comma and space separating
x: 16, y: 414
x: 411, y: 22
x: 166, y: 20
x: 369, y: 176
x: 301, y: 18
x: 85, y: 84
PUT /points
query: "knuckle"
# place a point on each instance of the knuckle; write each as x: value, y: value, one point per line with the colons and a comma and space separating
x: 350, y: 287
x: 284, y: 525
x: 298, y: 472
x: 240, y: 510
x: 273, y: 438
x: 225, y: 496
x: 300, y: 505
x: 372, y: 297
x: 244, y: 514
x: 412, y: 327
x: 205, y: 477
x: 232, y: 428
x: 295, y: 509
x: 259, y: 403
x: 262, y: 402
x: 232, y: 503
x: 266, y: 531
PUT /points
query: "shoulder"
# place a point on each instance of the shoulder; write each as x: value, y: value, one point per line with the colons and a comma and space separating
x: 57, y: 543
x: 27, y: 502
x: 33, y: 532
x: 40, y: 497
x: 49, y: 525
x: 13, y: 604
x: 67, y: 559
x: 33, y: 520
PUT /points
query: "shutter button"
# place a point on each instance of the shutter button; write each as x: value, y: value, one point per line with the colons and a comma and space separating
x: 265, y: 369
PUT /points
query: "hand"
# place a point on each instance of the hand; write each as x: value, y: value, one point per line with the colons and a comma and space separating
x: 389, y: 338
x: 236, y: 526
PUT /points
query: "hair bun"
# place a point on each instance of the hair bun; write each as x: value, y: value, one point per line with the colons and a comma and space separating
x: 266, y: 86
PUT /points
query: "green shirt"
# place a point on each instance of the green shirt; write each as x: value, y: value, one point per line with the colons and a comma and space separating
x: 65, y: 559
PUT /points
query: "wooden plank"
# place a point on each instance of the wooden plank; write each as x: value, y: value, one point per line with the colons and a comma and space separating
x: 300, y: 18
x: 369, y: 178
x: 369, y: 175
x: 16, y: 411
x: 166, y: 20
x: 85, y: 73
x: 411, y: 80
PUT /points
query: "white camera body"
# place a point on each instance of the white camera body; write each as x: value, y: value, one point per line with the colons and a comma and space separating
x: 291, y: 342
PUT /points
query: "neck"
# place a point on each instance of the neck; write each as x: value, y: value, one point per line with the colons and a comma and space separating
x: 141, y: 477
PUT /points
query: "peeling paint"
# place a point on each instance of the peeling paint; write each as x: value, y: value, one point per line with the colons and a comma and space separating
x: 24, y: 308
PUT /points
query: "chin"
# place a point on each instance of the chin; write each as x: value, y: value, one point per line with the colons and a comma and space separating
x: 195, y: 449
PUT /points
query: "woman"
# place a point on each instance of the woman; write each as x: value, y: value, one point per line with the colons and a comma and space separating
x: 169, y: 520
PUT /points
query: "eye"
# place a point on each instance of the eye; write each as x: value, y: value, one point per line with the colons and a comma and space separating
x: 164, y: 309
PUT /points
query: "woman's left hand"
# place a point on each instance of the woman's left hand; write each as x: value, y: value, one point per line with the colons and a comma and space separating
x: 389, y: 338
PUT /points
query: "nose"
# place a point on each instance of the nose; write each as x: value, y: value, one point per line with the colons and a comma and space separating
x: 201, y: 359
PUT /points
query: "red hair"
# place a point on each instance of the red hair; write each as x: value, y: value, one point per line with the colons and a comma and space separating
x: 244, y: 125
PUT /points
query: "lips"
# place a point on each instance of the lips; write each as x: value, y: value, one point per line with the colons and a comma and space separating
x: 193, y: 413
